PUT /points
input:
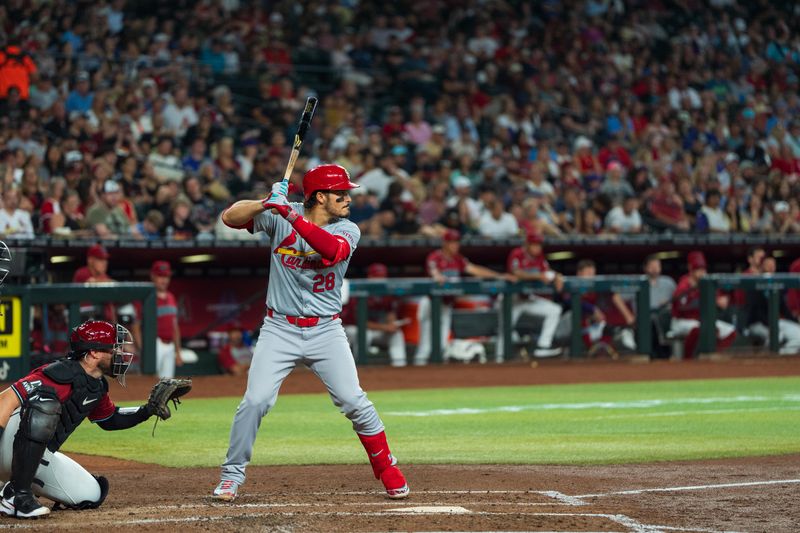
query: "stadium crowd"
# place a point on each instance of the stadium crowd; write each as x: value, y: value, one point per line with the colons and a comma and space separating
x: 123, y: 119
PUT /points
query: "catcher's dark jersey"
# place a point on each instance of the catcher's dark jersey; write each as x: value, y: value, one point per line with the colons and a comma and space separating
x: 81, y: 395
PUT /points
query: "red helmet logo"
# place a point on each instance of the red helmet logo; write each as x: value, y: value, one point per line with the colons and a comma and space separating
x: 327, y: 178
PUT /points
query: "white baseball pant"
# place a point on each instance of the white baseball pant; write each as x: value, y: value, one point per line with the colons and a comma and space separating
x: 423, y: 353
x: 64, y: 480
x: 681, y: 327
x: 788, y: 335
x: 536, y: 306
x: 165, y: 359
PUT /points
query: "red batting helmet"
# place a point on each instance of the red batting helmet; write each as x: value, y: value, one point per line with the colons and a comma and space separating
x: 377, y: 270
x: 103, y: 336
x: 696, y: 260
x: 327, y: 178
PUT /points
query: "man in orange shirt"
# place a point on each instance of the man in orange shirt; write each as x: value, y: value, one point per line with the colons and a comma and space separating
x: 16, y: 68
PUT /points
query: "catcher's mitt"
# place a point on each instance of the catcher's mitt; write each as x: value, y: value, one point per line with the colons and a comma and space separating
x: 165, y: 390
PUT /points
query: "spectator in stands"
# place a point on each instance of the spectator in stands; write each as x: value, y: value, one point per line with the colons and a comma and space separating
x: 784, y: 220
x: 234, y: 357
x: 166, y: 165
x: 686, y: 309
x: 81, y: 98
x: 106, y: 217
x: 15, y: 223
x: 442, y: 265
x: 179, y: 227
x: 666, y: 208
x: 625, y: 218
x: 383, y: 323
x: 497, y: 223
x: 614, y: 186
x: 149, y: 228
x: 168, y: 341
x: 527, y: 263
x: 711, y: 218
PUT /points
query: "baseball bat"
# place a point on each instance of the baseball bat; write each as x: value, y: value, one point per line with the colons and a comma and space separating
x: 302, y: 129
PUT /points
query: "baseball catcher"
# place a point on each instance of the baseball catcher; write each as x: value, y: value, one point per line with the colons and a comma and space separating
x: 40, y: 411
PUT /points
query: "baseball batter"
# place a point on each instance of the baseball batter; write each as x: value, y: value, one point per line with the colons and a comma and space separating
x: 311, y: 246
x: 40, y: 411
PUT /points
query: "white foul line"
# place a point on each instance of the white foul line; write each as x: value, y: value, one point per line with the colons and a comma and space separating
x: 693, y: 487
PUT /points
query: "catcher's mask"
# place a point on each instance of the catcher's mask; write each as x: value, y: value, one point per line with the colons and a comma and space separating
x: 104, y: 336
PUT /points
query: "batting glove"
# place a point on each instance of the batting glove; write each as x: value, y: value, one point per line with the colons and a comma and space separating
x: 281, y: 205
x: 280, y: 188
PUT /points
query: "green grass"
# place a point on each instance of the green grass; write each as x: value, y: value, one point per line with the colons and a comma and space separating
x: 564, y: 424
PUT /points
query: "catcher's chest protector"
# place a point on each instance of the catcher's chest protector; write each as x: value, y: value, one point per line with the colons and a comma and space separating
x: 86, y: 392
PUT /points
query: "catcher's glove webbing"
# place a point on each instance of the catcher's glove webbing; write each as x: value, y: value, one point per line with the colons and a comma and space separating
x: 165, y: 390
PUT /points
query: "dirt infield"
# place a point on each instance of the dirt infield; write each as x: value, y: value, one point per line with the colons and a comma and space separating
x: 749, y: 494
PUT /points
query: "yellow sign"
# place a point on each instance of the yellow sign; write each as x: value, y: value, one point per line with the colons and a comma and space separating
x: 10, y: 327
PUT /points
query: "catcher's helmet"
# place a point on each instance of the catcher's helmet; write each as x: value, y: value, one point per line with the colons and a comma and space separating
x: 327, y: 178
x: 103, y: 336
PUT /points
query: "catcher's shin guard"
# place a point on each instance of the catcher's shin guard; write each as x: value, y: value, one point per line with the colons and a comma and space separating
x: 38, y: 422
x: 383, y: 465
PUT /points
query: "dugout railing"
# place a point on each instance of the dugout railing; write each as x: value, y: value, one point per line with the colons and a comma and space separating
x: 574, y: 286
x: 15, y: 320
x: 773, y: 285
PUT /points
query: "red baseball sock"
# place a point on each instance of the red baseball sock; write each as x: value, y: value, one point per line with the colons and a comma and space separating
x: 690, y: 343
x: 726, y: 342
x: 378, y: 452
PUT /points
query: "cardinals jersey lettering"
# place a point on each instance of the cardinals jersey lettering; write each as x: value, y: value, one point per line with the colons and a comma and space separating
x: 301, y: 284
x: 449, y: 267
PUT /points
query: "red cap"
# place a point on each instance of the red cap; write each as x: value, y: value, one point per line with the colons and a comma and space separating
x: 534, y: 238
x: 795, y: 266
x: 452, y: 235
x: 377, y: 270
x: 161, y: 268
x: 614, y: 165
x: 97, y: 251
x: 696, y: 260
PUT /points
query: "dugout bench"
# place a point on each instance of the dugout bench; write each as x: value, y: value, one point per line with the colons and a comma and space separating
x: 773, y: 284
x: 575, y: 286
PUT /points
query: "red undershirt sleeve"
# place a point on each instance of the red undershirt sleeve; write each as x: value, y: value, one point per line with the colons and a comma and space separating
x: 332, y: 248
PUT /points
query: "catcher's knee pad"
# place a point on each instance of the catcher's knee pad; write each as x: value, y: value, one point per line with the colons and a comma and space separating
x: 89, y: 504
x: 39, y: 415
x: 103, y: 482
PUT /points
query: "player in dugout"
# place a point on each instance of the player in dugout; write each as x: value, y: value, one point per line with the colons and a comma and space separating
x: 686, y: 308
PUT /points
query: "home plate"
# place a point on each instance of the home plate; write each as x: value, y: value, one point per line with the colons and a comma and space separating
x: 432, y: 509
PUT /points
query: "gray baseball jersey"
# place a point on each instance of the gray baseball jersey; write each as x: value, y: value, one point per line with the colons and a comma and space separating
x: 299, y: 283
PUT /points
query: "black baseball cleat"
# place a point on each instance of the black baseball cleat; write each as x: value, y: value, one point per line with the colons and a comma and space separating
x: 22, y: 504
